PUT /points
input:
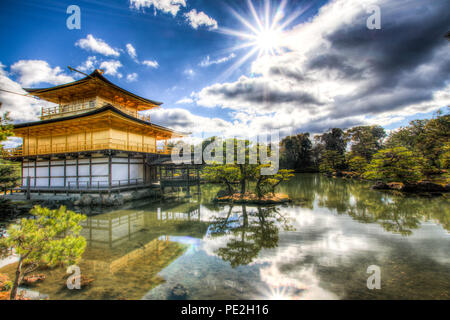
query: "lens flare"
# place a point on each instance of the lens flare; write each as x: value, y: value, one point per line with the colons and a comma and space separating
x: 264, y: 33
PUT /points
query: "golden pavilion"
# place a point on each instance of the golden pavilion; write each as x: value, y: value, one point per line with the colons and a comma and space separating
x: 95, y: 138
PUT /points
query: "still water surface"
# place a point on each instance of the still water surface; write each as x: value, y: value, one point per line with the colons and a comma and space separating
x: 317, y: 247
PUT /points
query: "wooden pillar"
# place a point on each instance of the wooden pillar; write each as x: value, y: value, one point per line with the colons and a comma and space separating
x: 145, y: 170
x: 76, y: 170
x: 49, y: 171
x: 51, y: 141
x: 28, y: 188
x: 65, y: 172
x: 90, y: 171
x: 110, y: 171
x: 129, y: 169
x: 35, y: 171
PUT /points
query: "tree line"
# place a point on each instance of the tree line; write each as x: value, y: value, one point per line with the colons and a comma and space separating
x: 420, y: 150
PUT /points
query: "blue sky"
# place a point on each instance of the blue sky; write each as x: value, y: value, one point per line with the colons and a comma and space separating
x: 326, y: 69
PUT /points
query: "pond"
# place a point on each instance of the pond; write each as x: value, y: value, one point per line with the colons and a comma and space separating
x: 317, y: 247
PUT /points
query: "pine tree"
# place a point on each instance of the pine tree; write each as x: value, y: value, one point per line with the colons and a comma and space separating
x: 51, y: 238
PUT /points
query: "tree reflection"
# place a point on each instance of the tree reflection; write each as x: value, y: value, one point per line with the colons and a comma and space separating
x: 396, y: 213
x: 248, y: 231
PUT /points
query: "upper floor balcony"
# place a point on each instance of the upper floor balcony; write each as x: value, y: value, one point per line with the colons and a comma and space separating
x: 86, y: 106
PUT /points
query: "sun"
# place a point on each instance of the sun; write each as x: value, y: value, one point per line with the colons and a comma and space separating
x: 264, y: 33
x: 268, y: 41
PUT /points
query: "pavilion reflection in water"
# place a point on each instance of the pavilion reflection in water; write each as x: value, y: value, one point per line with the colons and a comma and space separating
x: 123, y: 238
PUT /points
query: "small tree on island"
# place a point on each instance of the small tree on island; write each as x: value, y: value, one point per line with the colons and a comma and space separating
x: 267, y: 183
x: 49, y: 238
x: 237, y: 173
x: 224, y: 174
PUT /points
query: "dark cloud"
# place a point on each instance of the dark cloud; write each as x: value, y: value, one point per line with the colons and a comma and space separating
x: 260, y: 92
x: 334, y: 62
x: 407, y: 53
x: 288, y: 73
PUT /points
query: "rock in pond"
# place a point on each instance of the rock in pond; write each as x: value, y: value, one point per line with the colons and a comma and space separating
x: 178, y: 292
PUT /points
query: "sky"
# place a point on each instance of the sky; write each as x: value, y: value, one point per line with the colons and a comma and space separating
x: 238, y: 68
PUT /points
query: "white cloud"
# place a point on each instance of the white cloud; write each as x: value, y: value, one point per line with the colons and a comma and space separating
x: 97, y: 45
x: 21, y: 108
x: 185, y: 100
x: 88, y: 65
x: 206, y: 62
x: 111, y: 67
x: 31, y: 72
x: 198, y: 19
x: 151, y: 63
x: 166, y: 6
x: 132, y: 77
x: 131, y: 51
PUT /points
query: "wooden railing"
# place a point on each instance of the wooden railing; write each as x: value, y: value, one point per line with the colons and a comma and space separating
x: 59, y: 111
x: 51, y: 112
x: 103, y: 144
x: 104, y: 184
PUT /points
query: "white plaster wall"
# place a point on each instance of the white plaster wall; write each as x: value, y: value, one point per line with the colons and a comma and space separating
x: 136, y: 171
x: 100, y: 167
x: 42, y: 182
x: 42, y: 171
x: 83, y: 170
x: 57, y: 171
x: 57, y: 182
x: 71, y: 170
x: 120, y: 171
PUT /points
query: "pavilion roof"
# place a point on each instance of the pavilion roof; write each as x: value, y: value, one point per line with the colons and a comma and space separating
x: 107, y: 108
x: 91, y: 85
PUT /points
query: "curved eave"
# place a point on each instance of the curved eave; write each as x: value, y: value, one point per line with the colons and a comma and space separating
x: 98, y: 111
x: 92, y: 76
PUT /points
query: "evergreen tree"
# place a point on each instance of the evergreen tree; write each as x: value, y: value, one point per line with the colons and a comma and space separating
x: 365, y: 140
x: 396, y: 164
x: 51, y: 238
x: 296, y: 152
